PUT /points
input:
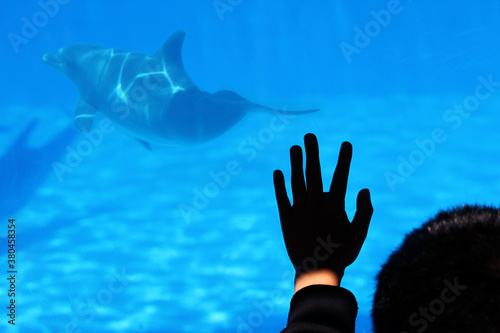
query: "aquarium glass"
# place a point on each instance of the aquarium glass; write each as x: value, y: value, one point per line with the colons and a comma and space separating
x: 165, y: 220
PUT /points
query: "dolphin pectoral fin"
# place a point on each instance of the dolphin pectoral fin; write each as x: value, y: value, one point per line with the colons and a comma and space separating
x: 84, y: 115
x: 144, y: 143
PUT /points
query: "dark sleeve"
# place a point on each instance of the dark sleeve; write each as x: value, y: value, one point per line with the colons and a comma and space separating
x: 320, y: 308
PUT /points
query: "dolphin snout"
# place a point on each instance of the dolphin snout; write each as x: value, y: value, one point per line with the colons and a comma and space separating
x: 52, y: 59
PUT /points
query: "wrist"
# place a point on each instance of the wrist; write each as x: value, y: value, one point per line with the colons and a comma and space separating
x: 320, y: 276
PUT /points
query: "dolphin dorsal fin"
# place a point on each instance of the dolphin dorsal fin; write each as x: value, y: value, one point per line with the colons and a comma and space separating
x: 171, y: 48
x: 169, y: 54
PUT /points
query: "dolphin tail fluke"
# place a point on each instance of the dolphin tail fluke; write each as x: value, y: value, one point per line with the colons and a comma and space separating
x: 232, y: 97
x: 293, y: 111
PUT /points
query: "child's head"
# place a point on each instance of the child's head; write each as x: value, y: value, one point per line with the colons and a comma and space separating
x: 445, y: 277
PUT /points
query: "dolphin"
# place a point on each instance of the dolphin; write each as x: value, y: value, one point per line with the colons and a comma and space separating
x: 23, y: 168
x: 150, y: 96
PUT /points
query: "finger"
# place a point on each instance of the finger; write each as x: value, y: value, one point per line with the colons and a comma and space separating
x: 298, y: 182
x: 338, y: 186
x: 313, y: 168
x: 280, y: 191
x: 362, y: 218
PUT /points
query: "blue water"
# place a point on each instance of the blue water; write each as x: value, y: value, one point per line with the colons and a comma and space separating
x: 109, y: 246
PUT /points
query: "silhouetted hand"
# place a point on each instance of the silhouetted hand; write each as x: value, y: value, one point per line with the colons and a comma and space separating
x: 316, y: 230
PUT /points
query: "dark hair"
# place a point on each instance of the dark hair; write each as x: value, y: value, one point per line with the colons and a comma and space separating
x: 445, y: 276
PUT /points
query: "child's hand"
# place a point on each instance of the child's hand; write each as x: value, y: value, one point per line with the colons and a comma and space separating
x: 318, y: 235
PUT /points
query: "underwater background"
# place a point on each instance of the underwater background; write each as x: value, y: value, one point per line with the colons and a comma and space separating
x: 119, y: 238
